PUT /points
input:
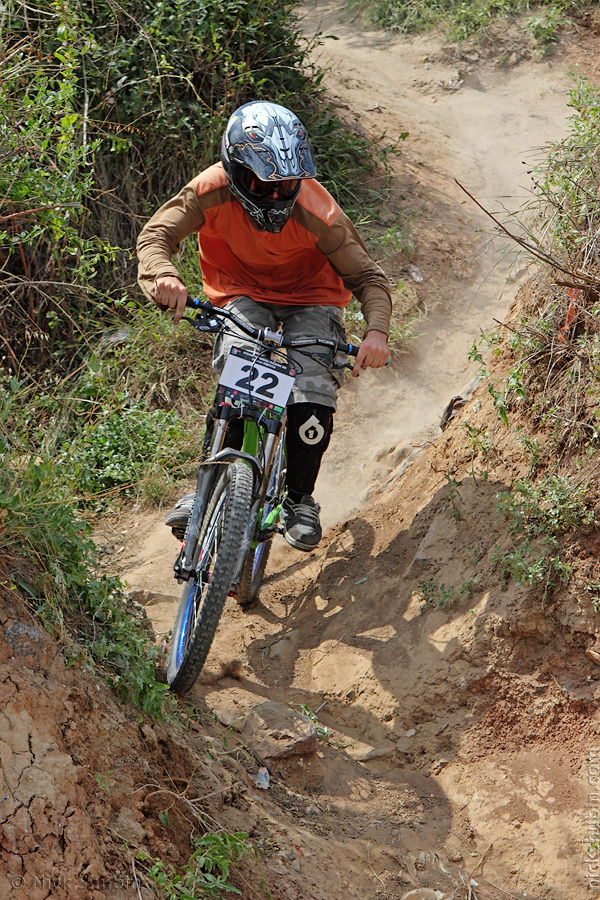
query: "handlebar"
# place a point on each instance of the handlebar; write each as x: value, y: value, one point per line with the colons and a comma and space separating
x: 208, y: 321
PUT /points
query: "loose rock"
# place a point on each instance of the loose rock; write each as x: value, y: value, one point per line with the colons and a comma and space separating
x: 275, y: 731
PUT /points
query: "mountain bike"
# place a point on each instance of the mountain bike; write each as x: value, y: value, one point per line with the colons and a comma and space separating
x: 239, y: 490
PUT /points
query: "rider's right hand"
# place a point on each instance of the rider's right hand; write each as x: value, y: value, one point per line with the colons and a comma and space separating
x: 171, y: 292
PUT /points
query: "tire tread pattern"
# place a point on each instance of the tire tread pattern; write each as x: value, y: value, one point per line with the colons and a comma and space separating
x: 238, y: 478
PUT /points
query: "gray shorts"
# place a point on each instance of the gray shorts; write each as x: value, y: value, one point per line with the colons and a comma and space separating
x: 315, y: 382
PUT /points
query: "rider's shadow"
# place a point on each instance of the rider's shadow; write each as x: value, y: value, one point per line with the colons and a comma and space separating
x: 340, y: 563
x: 390, y: 604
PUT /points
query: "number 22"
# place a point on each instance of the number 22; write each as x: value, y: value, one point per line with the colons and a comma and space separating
x: 245, y: 384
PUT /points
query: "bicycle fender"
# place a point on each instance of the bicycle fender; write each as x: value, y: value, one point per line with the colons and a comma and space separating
x: 228, y: 454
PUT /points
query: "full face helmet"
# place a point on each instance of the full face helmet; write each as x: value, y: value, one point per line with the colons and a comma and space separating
x: 266, y: 155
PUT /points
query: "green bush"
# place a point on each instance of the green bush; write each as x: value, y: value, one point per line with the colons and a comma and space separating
x: 68, y: 592
x: 124, y: 448
x: 547, y: 508
x: 46, y: 178
x: 538, y: 513
x: 567, y: 183
x: 106, y: 109
x: 206, y: 872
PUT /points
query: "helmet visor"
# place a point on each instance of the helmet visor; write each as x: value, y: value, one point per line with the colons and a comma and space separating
x: 265, y: 190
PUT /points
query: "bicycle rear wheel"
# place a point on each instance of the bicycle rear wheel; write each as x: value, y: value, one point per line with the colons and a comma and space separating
x: 250, y: 582
x: 252, y: 574
x: 204, y: 595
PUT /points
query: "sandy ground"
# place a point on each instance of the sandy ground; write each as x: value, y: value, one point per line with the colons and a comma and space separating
x: 451, y: 753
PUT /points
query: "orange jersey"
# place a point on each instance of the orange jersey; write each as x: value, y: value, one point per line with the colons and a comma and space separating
x: 317, y: 258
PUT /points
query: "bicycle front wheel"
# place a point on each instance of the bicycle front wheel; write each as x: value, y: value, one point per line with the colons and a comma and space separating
x: 204, y: 595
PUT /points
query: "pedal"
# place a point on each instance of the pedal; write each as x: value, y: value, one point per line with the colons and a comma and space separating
x: 267, y: 533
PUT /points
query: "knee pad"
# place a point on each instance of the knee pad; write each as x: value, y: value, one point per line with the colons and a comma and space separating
x: 309, y: 426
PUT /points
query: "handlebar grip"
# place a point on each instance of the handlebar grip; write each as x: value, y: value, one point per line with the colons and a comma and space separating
x: 194, y: 302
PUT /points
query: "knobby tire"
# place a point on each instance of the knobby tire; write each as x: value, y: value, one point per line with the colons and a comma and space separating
x: 252, y: 574
x: 204, y: 595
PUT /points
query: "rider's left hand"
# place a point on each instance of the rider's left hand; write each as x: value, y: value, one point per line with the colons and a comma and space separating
x: 372, y: 353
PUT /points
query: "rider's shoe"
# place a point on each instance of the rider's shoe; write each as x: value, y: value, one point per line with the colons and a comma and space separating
x: 177, y: 518
x: 301, y: 525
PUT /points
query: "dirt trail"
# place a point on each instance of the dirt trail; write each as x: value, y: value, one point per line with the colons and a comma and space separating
x: 450, y: 750
x: 486, y: 134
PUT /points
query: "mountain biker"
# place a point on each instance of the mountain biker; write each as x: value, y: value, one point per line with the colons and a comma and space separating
x: 275, y: 248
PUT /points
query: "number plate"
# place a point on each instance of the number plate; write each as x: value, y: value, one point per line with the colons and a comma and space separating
x: 261, y: 382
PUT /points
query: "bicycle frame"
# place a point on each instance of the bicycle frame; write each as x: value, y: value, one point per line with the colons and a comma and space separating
x: 262, y: 435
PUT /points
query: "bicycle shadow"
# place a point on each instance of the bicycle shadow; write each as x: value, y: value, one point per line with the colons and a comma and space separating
x: 362, y: 594
x: 352, y: 617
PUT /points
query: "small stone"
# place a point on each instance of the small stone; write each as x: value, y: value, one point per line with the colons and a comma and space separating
x: 229, y: 719
x: 149, y: 736
x: 593, y: 654
x: 23, y: 639
x: 129, y: 828
x: 423, y: 894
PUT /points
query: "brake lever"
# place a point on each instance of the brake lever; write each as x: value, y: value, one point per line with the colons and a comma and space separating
x: 204, y: 322
x: 350, y: 366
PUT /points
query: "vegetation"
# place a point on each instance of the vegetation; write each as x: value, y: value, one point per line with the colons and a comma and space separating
x: 206, y: 873
x: 548, y: 395
x: 544, y: 18
x: 108, y: 109
x: 434, y: 595
x: 555, y: 344
x: 62, y: 583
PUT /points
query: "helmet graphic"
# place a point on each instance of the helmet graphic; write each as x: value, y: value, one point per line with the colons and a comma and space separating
x: 266, y: 155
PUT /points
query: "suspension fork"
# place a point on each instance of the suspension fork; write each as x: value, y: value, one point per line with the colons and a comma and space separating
x: 185, y: 563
